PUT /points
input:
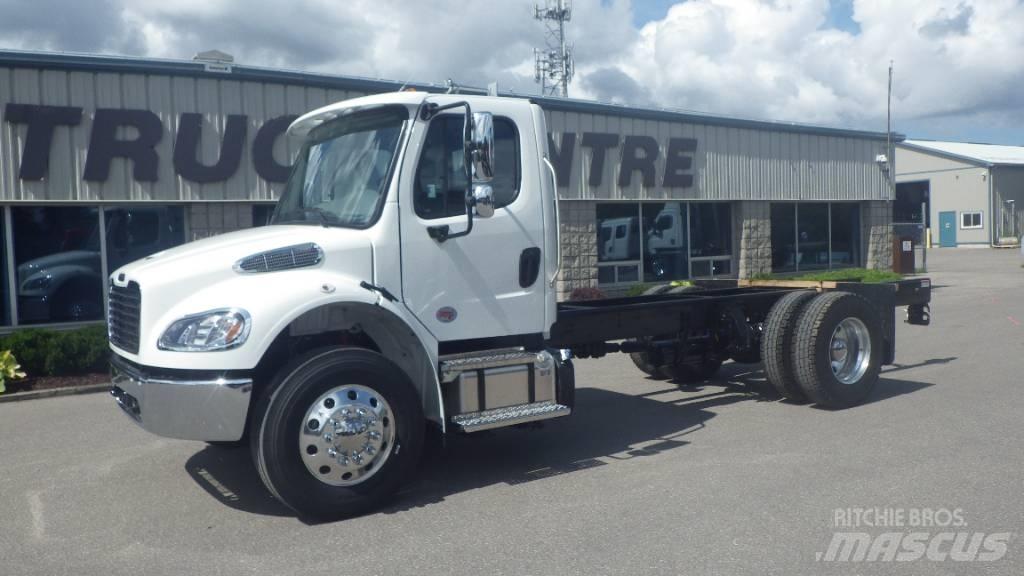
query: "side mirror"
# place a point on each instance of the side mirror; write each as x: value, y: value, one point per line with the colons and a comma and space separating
x: 482, y: 147
x: 483, y: 200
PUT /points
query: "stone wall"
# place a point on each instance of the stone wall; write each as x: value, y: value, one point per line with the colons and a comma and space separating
x: 212, y: 218
x: 876, y: 234
x: 578, y: 228
x: 752, y: 238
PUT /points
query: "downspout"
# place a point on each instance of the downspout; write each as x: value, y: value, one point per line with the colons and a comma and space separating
x: 993, y: 240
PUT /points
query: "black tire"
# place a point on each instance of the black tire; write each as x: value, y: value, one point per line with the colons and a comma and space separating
x: 691, y: 372
x: 280, y: 416
x: 777, y: 344
x: 644, y: 363
x: 812, y: 354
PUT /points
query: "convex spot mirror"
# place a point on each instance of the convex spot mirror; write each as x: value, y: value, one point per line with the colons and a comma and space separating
x: 483, y: 200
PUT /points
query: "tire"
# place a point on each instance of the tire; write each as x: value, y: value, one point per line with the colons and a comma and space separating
x: 643, y: 362
x: 315, y: 388
x: 777, y: 344
x: 833, y: 368
x: 691, y: 373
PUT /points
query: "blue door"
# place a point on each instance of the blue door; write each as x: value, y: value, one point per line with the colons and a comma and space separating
x: 947, y: 229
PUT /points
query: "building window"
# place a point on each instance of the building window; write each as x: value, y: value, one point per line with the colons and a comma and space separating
x: 815, y: 236
x: 845, y: 247
x: 262, y: 213
x: 57, y: 258
x: 618, y: 243
x: 663, y: 241
x: 666, y: 241
x: 812, y: 232
x: 5, y: 306
x: 138, y: 231
x: 440, y: 186
x: 970, y: 220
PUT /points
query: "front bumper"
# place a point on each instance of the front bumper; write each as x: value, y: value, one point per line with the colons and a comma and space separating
x: 189, y: 407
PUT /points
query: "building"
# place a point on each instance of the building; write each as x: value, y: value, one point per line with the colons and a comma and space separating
x: 104, y: 160
x: 971, y: 192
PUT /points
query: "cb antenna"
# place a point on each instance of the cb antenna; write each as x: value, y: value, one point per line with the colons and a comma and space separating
x: 553, y: 65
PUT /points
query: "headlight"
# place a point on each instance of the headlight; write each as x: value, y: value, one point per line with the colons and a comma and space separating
x: 206, y: 331
x: 37, y: 283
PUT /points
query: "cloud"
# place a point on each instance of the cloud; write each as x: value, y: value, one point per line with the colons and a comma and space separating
x: 779, y: 59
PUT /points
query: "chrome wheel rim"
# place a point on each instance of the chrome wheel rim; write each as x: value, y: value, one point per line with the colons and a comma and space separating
x: 850, y: 351
x: 347, y: 435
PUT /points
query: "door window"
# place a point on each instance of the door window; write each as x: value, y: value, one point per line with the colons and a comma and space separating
x: 440, y: 186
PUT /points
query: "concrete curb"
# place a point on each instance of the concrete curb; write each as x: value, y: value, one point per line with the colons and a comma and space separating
x: 54, y: 392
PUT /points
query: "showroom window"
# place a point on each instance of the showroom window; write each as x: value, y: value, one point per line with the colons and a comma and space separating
x: 62, y: 256
x: 663, y: 241
x: 262, y: 214
x: 970, y: 220
x: 815, y: 236
x: 59, y: 274
x: 138, y: 231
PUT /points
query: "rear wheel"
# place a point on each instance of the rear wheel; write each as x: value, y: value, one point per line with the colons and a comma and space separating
x: 642, y: 360
x: 339, y: 433
x: 777, y: 344
x: 692, y: 371
x: 838, y: 352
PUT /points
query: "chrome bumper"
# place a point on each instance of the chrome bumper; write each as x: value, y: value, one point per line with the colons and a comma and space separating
x: 207, y: 409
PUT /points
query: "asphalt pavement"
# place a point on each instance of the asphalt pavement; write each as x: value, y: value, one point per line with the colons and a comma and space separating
x: 643, y: 478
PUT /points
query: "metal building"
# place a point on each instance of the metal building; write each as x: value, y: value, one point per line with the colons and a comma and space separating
x: 104, y: 160
x: 971, y: 193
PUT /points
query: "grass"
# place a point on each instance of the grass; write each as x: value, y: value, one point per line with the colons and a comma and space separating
x: 844, y: 275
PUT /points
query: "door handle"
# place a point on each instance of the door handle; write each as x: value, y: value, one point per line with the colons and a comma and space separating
x: 529, y: 267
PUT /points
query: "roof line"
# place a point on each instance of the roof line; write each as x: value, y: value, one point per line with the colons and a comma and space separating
x: 948, y: 155
x: 240, y: 72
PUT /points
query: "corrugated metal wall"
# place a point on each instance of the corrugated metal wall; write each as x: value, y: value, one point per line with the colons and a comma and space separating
x: 167, y: 96
x: 730, y: 163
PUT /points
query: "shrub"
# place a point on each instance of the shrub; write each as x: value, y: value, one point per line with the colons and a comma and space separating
x: 586, y: 293
x: 59, y: 352
x: 9, y: 369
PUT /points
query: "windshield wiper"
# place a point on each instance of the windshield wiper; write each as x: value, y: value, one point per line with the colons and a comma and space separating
x: 323, y: 214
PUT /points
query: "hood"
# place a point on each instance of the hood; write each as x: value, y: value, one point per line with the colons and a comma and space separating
x: 214, y: 257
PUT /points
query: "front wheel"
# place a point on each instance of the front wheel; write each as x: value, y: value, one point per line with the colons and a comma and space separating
x: 341, y: 430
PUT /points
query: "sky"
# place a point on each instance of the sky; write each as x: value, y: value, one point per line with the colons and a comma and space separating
x: 959, y: 70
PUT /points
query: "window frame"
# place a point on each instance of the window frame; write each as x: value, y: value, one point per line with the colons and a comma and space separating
x: 981, y: 219
x: 518, y: 165
x: 639, y: 264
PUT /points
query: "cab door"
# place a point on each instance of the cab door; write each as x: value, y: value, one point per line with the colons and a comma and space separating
x: 490, y: 283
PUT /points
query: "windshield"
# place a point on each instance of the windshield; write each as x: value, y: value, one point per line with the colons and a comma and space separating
x: 341, y: 175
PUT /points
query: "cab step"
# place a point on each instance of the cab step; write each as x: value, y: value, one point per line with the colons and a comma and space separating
x: 509, y: 416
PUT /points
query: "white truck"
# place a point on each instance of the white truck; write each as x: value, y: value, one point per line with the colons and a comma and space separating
x: 408, y: 280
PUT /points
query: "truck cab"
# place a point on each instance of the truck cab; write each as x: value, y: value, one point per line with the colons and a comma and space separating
x: 407, y: 276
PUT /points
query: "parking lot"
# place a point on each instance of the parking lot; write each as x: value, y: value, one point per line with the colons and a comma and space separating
x: 643, y: 478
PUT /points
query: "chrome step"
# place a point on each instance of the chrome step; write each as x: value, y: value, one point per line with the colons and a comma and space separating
x: 452, y: 366
x: 508, y: 416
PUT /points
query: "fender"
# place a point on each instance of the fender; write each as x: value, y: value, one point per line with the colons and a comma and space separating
x: 398, y: 339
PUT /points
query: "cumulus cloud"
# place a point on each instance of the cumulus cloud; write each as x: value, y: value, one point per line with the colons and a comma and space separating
x: 956, y: 60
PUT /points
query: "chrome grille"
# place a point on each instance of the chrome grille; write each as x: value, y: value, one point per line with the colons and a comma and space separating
x: 123, y: 310
x: 287, y: 258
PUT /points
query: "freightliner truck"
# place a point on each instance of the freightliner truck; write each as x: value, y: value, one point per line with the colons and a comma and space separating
x: 407, y: 281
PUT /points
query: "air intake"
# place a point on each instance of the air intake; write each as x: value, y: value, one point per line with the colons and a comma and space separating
x: 287, y: 258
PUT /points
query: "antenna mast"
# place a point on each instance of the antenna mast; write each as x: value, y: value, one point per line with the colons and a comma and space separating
x: 553, y: 65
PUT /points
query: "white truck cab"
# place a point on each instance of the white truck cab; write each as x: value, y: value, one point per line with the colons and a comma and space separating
x: 375, y: 267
